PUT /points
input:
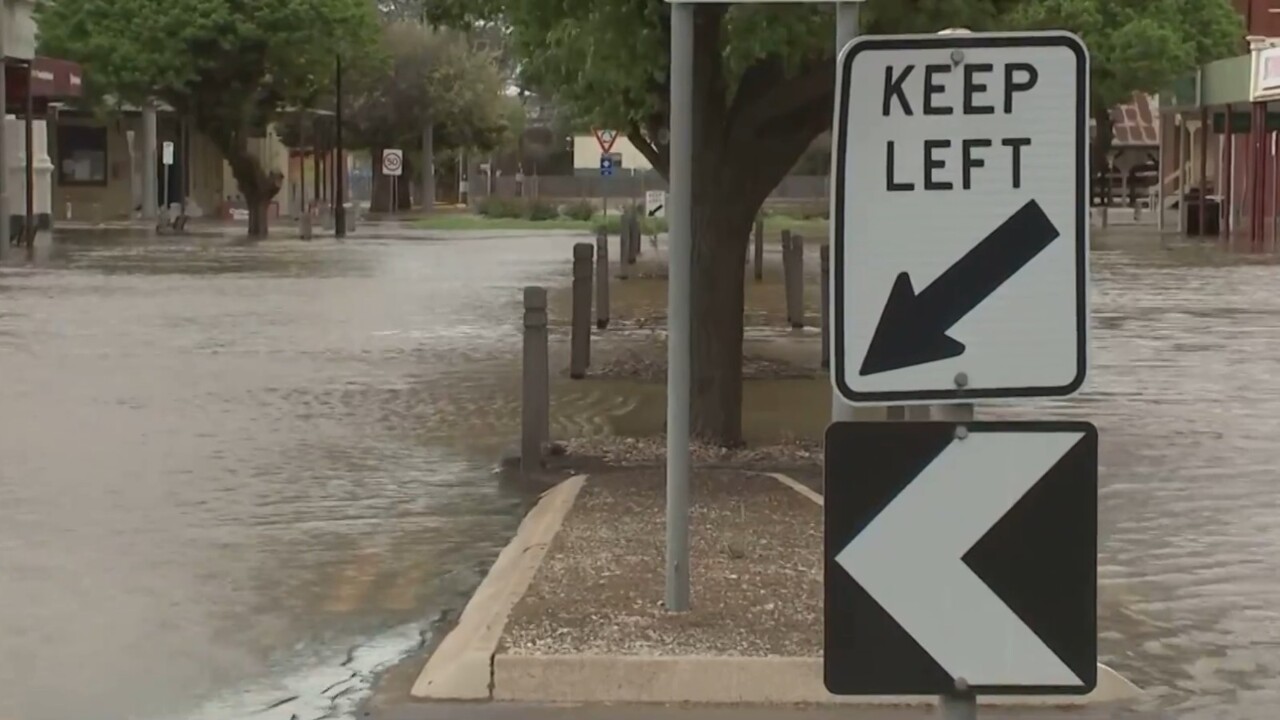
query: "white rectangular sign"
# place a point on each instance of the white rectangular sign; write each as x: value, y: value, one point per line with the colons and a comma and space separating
x: 655, y: 203
x: 392, y: 162
x: 960, y: 221
x: 166, y: 152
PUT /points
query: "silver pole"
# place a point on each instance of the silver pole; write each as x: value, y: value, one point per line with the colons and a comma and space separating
x: 679, y: 300
x: 963, y: 705
x: 1183, y: 139
x: 847, y: 16
x: 1161, y: 170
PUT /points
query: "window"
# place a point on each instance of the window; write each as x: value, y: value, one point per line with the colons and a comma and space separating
x: 82, y: 155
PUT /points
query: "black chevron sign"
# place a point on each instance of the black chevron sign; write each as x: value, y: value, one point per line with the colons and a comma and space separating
x: 954, y: 555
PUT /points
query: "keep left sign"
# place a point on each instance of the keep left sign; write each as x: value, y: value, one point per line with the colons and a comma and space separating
x: 960, y: 226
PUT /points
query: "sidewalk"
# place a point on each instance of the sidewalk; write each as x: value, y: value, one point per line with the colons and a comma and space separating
x: 521, y: 711
x: 573, y: 613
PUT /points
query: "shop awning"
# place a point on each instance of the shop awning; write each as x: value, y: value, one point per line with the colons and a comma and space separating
x: 51, y: 79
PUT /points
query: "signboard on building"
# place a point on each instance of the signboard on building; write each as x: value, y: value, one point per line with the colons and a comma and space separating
x: 1265, y: 81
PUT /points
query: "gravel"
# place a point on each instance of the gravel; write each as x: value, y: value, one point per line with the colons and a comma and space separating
x: 800, y: 457
x: 756, y: 550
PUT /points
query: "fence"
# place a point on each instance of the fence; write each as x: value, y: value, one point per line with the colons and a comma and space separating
x: 567, y: 187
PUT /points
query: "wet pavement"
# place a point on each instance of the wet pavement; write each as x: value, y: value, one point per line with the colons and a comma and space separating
x: 233, y: 477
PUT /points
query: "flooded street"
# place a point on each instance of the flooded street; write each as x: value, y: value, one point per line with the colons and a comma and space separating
x: 232, y: 476
x: 1185, y: 391
x: 239, y: 478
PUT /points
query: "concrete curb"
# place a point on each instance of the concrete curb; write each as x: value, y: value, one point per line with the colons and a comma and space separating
x: 461, y: 668
x: 721, y: 680
x: 1112, y: 686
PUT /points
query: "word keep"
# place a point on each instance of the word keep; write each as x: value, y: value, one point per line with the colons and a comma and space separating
x: 978, y: 97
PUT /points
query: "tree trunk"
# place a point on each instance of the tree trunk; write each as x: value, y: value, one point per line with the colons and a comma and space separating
x: 380, y: 199
x: 1103, y: 139
x: 428, y: 168
x: 380, y: 192
x: 720, y: 232
x: 259, y: 214
x: 257, y: 185
x: 404, y: 198
x: 742, y: 150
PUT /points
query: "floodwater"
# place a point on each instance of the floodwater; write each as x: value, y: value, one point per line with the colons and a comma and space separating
x: 240, y: 478
x: 233, y: 478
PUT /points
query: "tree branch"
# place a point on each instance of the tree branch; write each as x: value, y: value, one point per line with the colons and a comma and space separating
x: 772, y: 100
x: 655, y: 154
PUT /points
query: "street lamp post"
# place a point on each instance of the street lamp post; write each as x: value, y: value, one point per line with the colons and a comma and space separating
x: 339, y: 163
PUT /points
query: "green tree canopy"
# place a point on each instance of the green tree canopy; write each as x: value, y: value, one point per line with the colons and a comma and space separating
x: 436, y: 76
x: 764, y: 87
x: 231, y: 66
x: 1137, y: 45
x: 433, y: 78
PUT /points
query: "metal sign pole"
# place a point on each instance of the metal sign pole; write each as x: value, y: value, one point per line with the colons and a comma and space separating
x: 847, y: 18
x: 962, y: 704
x: 679, y: 301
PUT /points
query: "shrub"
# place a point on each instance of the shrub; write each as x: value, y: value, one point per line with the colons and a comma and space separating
x: 612, y: 224
x: 579, y: 210
x: 819, y: 211
x: 501, y: 207
x: 541, y: 210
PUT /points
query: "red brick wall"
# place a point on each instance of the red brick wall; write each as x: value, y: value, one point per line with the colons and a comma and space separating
x: 1261, y: 16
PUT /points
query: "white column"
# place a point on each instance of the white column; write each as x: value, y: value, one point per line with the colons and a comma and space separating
x: 150, y: 187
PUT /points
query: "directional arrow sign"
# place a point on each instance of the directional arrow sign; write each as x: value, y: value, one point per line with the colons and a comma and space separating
x: 960, y: 230
x: 961, y: 555
x: 913, y: 327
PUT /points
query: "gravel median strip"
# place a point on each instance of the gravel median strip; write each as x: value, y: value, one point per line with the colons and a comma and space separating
x: 756, y: 563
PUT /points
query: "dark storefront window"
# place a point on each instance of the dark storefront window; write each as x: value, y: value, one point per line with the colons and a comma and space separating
x: 82, y: 155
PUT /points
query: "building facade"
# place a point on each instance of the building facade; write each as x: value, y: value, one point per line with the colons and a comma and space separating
x: 1261, y: 17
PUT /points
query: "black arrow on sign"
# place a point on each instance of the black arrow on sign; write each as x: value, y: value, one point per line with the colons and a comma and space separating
x: 913, y: 327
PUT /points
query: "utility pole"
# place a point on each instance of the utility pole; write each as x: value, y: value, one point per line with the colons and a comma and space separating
x: 340, y: 165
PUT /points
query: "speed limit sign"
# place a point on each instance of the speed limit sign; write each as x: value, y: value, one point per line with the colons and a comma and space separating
x: 392, y: 162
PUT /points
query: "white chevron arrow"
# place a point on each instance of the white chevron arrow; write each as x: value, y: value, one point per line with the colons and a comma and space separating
x: 909, y: 559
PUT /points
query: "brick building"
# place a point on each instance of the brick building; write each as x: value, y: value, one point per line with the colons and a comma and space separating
x: 1261, y: 17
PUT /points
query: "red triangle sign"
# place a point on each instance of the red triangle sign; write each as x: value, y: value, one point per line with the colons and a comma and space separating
x: 606, y: 139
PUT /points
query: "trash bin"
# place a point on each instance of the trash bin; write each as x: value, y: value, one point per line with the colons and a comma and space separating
x: 1212, y: 209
